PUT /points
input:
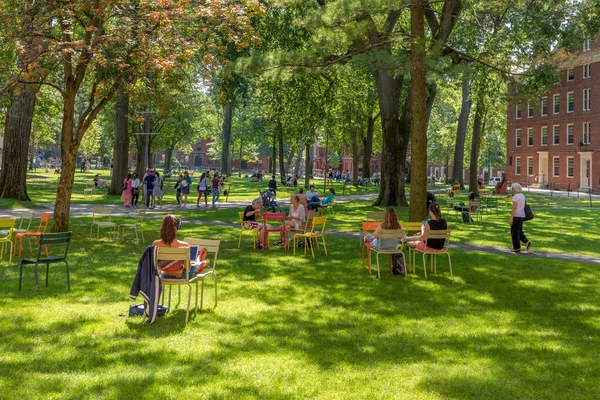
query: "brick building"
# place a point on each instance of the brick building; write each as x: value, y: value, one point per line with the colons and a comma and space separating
x: 554, y: 141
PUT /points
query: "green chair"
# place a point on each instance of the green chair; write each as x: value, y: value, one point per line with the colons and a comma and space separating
x: 52, y: 243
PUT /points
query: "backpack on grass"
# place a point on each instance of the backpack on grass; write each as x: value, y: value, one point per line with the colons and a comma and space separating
x: 398, y: 264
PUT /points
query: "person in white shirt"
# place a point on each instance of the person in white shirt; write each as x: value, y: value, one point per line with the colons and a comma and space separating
x: 517, y: 217
x: 135, y: 190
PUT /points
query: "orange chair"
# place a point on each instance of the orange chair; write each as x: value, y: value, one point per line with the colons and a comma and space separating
x: 268, y: 217
x: 366, y: 228
x: 44, y: 221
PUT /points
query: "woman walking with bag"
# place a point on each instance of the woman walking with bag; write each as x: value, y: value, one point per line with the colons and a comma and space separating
x: 135, y: 190
x: 517, y: 217
x: 127, y: 196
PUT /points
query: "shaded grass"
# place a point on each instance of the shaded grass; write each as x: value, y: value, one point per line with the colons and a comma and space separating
x: 293, y: 327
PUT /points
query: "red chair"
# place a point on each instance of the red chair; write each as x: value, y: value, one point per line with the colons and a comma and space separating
x: 269, y: 217
x: 44, y: 221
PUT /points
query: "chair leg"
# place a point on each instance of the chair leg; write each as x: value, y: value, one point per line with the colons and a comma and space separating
x: 47, y: 270
x: 202, y: 296
x: 378, y: 274
x: 187, y: 312
x: 424, y: 265
x: 324, y: 245
x: 450, y: 263
x: 68, y: 278
x: 20, y: 276
x: 312, y: 247
x: 37, y: 287
x: 11, y: 251
x: 196, y: 297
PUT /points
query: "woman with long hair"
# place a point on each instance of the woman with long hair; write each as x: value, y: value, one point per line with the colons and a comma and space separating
x: 127, y: 195
x: 390, y: 221
x: 202, y: 189
x: 295, y: 218
x: 135, y: 190
x: 435, y: 223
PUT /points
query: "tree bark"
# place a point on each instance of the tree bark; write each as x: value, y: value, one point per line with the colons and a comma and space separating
x: 299, y: 159
x: 475, y: 144
x: 461, y: 131
x: 418, y: 126
x: 368, y: 147
x: 121, y: 149
x: 307, y: 164
x: 273, y: 166
x: 228, y: 108
x: 169, y: 156
x: 282, y: 171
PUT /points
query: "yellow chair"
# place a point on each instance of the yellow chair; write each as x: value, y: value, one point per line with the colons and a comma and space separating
x: 212, y: 247
x: 9, y: 226
x: 441, y: 234
x: 316, y: 231
x: 410, y: 229
x: 98, y: 213
x: 136, y: 225
x: 397, y: 234
x: 176, y: 254
x: 243, y: 229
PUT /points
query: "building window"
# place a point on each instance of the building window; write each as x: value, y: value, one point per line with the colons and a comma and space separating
x: 570, y: 74
x: 556, y: 103
x: 517, y: 165
x: 518, y: 137
x: 570, y: 167
x: 529, y: 136
x: 556, y: 135
x: 586, y: 44
x: 570, y: 101
x: 586, y: 133
x: 519, y: 110
x: 556, y: 164
x: 570, y: 133
x: 544, y: 107
x: 529, y: 165
x: 586, y: 99
x: 587, y: 71
x: 529, y: 110
x: 544, y: 140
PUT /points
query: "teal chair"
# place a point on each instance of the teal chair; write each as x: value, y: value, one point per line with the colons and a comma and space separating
x: 56, y: 247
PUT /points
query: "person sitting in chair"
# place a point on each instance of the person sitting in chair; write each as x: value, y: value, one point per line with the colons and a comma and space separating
x: 390, y: 221
x: 466, y: 210
x: 314, y: 203
x: 435, y: 223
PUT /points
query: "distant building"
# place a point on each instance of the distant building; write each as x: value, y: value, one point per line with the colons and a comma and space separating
x: 554, y: 141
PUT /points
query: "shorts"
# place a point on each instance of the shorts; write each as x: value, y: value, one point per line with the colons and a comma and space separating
x: 421, y: 246
x: 251, y: 225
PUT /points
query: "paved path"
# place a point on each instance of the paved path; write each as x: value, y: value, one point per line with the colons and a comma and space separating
x: 120, y: 210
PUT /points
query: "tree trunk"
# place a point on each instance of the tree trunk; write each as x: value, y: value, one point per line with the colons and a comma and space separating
x: 307, y: 165
x: 273, y: 167
x: 241, y: 155
x: 169, y: 156
x: 282, y: 171
x: 121, y: 149
x: 226, y: 137
x: 393, y: 154
x: 368, y: 147
x: 461, y: 131
x: 299, y: 159
x: 418, y: 125
x: 290, y: 158
x: 475, y: 144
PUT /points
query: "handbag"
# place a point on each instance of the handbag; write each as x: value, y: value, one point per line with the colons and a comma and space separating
x: 528, y: 213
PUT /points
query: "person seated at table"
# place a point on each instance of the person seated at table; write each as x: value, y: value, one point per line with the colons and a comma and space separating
x: 435, y: 223
x: 390, y: 221
x: 466, y: 210
x: 295, y: 218
x: 168, y: 238
x: 249, y: 219
x: 315, y: 202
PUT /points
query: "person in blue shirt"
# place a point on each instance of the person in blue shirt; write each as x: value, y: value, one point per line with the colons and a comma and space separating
x: 149, y: 181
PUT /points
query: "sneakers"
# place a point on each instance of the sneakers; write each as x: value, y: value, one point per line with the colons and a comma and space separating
x: 528, y: 246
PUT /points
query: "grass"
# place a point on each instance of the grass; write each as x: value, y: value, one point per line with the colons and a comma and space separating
x: 504, y: 326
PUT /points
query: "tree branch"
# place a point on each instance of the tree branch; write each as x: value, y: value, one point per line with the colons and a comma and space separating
x: 62, y: 93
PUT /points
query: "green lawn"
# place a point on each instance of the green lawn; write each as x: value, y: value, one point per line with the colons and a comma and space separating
x: 505, y: 326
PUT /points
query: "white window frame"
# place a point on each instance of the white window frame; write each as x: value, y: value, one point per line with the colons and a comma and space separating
x: 586, y: 44
x: 587, y: 71
x: 570, y: 105
x: 570, y: 74
x: 518, y: 138
x: 529, y: 165
x: 555, y: 135
x: 570, y: 167
x: 518, y: 111
x: 529, y: 109
x: 554, y: 166
x: 529, y: 135
x: 544, y: 129
x: 587, y: 93
x: 556, y: 103
x: 517, y: 165
x: 572, y: 136
x: 586, y: 133
x: 542, y: 111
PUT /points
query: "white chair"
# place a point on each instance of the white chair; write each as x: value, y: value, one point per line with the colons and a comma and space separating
x: 136, y: 225
x: 98, y: 219
x: 212, y: 246
x: 441, y: 234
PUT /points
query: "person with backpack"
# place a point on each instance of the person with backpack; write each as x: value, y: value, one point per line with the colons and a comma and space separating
x: 390, y: 221
x: 202, y: 190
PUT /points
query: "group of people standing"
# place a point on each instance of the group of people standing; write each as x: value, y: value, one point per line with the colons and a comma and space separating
x: 151, y: 185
